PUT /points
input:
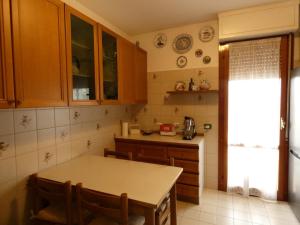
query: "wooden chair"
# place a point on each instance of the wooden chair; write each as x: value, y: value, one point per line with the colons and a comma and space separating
x: 119, y: 155
x: 162, y: 214
x: 52, y: 201
x: 107, y: 209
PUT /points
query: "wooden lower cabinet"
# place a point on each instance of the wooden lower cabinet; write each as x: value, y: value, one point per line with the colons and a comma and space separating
x: 188, y: 157
x: 188, y: 178
x: 187, y: 193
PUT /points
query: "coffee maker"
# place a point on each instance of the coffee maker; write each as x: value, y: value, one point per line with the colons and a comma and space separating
x: 189, y: 130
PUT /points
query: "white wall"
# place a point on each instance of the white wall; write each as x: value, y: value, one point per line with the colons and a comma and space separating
x: 164, y: 59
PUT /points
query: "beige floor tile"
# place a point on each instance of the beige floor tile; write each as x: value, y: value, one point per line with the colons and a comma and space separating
x: 192, y: 214
x: 240, y: 222
x: 208, y: 217
x: 188, y: 221
x: 220, y: 208
x: 241, y: 215
x: 260, y: 219
x: 225, y: 212
x: 274, y: 221
x: 208, y: 208
x: 221, y: 220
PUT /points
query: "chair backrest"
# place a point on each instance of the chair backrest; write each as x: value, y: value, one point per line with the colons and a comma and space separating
x: 155, y: 160
x: 53, y: 193
x: 119, y: 155
x: 113, y: 207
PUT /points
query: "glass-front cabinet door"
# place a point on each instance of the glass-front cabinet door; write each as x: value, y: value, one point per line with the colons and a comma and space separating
x: 82, y: 59
x: 109, y: 79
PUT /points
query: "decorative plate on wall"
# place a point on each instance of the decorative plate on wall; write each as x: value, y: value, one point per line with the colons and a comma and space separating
x: 198, y: 53
x: 181, y: 61
x: 206, y: 59
x: 160, y: 40
x: 182, y: 43
x: 206, y: 33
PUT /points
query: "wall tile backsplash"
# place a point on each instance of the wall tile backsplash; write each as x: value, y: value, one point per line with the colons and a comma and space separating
x: 25, y: 120
x: 35, y: 139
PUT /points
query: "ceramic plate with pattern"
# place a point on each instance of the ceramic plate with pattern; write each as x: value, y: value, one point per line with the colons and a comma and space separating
x: 160, y: 40
x: 206, y: 33
x: 198, y: 53
x: 183, y: 43
x: 206, y: 59
x: 181, y: 61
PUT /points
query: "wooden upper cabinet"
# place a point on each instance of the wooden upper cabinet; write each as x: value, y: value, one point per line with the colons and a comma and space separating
x: 110, y: 81
x: 127, y: 70
x: 140, y: 76
x: 39, y: 53
x: 82, y: 58
x: 7, y: 98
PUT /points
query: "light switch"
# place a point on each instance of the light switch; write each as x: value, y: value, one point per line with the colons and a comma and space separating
x: 207, y: 126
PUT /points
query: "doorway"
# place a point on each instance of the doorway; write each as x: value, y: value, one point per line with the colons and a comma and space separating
x: 252, y: 115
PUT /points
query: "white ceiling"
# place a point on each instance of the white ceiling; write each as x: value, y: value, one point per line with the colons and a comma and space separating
x: 140, y: 16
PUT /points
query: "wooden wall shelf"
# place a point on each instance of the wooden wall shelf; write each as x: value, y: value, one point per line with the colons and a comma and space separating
x: 192, y: 92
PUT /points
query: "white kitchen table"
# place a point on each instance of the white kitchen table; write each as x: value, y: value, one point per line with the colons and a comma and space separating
x: 145, y: 184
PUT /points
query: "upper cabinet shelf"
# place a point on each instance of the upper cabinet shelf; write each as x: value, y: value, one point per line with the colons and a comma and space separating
x: 192, y: 92
x: 82, y: 46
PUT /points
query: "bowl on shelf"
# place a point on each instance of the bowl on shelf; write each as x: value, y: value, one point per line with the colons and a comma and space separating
x: 180, y: 86
x: 204, y: 85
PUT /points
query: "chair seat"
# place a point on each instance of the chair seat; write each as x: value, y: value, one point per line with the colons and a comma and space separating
x: 54, y: 214
x: 132, y: 220
x: 57, y: 214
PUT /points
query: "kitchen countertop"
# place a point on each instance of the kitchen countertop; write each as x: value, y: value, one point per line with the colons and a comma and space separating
x: 163, y: 139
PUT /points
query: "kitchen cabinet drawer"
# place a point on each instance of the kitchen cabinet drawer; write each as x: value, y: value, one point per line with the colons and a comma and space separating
x: 190, y: 179
x: 183, y: 153
x: 126, y: 147
x: 188, y: 166
x: 153, y: 151
x: 186, y: 190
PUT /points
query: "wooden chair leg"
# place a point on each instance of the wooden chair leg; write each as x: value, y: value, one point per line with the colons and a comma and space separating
x: 173, y: 205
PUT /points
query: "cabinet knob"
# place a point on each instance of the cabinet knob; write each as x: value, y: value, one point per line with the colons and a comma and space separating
x: 11, y: 101
x: 18, y: 102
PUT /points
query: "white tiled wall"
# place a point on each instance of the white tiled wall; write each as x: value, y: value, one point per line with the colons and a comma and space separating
x: 166, y: 108
x: 36, y: 139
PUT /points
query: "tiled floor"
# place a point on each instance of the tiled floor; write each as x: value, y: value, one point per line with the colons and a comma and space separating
x: 226, y: 209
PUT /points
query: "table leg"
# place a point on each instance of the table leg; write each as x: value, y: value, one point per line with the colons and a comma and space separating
x: 173, y: 205
x: 149, y: 216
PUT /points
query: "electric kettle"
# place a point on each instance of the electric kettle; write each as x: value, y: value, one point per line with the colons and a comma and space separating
x: 189, y: 130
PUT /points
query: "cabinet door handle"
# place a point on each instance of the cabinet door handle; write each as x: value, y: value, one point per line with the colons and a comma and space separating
x: 282, y: 123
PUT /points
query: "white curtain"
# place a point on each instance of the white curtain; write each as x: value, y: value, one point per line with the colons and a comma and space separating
x: 254, y: 117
